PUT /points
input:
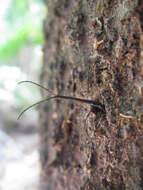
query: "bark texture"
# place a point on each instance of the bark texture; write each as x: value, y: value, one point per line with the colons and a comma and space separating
x: 93, y: 50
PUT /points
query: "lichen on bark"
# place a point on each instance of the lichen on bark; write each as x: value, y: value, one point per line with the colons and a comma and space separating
x: 93, y: 50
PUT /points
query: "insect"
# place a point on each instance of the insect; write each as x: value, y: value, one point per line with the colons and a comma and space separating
x: 96, y: 106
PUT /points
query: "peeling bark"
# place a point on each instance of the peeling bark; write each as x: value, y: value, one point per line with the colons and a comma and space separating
x: 93, y: 50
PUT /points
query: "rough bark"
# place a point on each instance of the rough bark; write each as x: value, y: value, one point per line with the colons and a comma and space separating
x: 93, y: 50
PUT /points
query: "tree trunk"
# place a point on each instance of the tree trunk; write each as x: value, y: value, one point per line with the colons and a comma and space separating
x: 93, y: 50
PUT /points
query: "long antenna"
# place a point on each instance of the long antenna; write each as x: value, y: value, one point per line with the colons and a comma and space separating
x: 95, y: 104
x: 47, y: 89
x: 37, y: 103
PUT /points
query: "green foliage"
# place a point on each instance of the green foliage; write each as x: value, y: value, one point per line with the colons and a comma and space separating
x: 21, y: 27
x: 26, y: 34
x: 12, y: 45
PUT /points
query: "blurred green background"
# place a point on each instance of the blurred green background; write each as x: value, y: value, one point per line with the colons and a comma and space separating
x: 21, y: 40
